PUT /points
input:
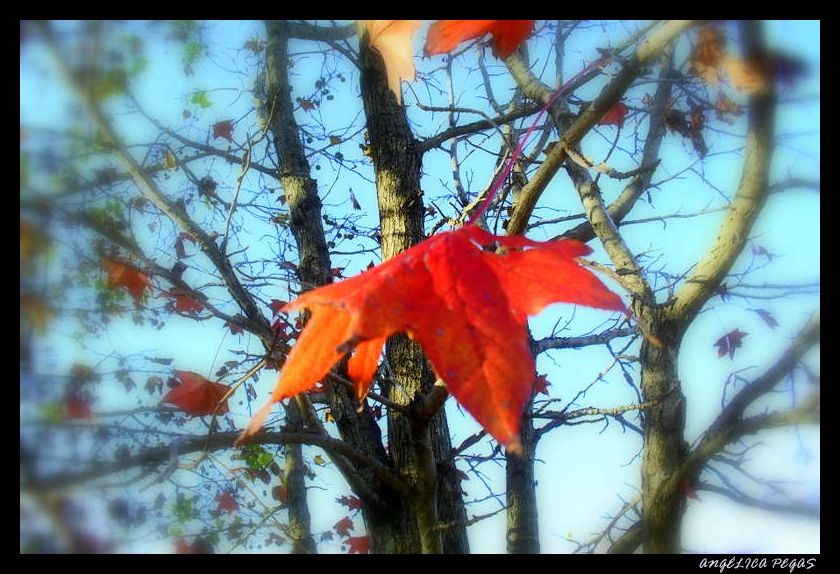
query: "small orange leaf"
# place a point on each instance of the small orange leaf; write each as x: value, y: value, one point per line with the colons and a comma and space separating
x: 743, y: 76
x: 445, y: 35
x: 197, y: 396
x: 614, y: 116
x: 121, y: 275
x: 392, y: 39
x: 706, y: 59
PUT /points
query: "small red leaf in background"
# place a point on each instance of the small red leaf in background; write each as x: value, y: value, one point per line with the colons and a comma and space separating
x: 689, y: 489
x: 121, y: 275
x: 306, y: 105
x: 183, y: 547
x: 344, y: 526
x: 234, y: 328
x: 357, y: 545
x: 77, y: 408
x: 223, y: 129
x: 183, y: 303
x: 541, y: 385
x: 464, y: 302
x: 350, y: 502
x: 445, y: 35
x: 728, y: 343
x: 280, y: 494
x: 614, y: 116
x: 278, y: 329
x: 226, y: 502
x: 196, y: 395
x: 276, y: 305
x: 767, y: 317
x: 198, y: 546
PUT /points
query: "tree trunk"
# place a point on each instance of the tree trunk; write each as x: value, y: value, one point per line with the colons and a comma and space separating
x: 523, y: 536
x: 417, y: 446
x: 664, y: 448
x: 300, y: 530
x: 358, y: 429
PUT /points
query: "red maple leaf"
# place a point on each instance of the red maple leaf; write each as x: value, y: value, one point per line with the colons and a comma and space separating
x: 541, y: 385
x: 614, y: 116
x: 223, y: 129
x: 445, y: 35
x: 122, y: 275
x: 350, y: 502
x: 728, y: 343
x: 234, y: 328
x: 227, y: 502
x: 344, y: 526
x: 196, y: 395
x: 466, y: 305
x: 183, y: 303
x: 77, y: 408
x: 357, y: 545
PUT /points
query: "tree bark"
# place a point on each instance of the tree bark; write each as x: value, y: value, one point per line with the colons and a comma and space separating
x: 300, y: 530
x: 664, y: 423
x: 418, y: 446
x: 523, y: 535
x: 358, y: 429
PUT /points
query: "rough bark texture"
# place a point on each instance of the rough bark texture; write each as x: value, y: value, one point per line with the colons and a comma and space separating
x: 357, y: 429
x: 299, y: 531
x: 664, y: 425
x: 294, y: 174
x: 417, y: 446
x: 523, y: 535
x: 665, y: 450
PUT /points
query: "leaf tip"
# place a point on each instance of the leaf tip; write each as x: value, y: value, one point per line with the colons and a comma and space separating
x: 255, y: 426
x: 515, y: 447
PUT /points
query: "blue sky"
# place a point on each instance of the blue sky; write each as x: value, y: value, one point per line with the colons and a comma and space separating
x: 582, y: 472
